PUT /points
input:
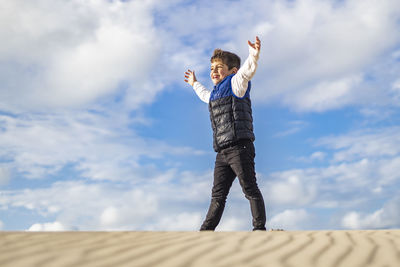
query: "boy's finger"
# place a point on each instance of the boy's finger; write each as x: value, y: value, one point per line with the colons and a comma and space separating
x: 250, y: 44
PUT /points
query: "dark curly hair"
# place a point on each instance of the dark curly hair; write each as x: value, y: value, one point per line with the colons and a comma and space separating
x: 230, y: 59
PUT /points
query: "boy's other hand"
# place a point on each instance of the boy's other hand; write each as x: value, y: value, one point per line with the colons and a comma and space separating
x: 255, y: 47
x: 190, y: 77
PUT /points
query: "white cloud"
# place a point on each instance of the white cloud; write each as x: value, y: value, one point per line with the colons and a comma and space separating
x: 1, y: 225
x: 294, y: 127
x: 396, y: 90
x: 316, y: 52
x: 334, y: 186
x: 69, y: 54
x: 89, y: 206
x: 178, y: 222
x: 318, y: 155
x: 376, y: 114
x: 364, y: 143
x: 4, y: 175
x: 154, y: 203
x: 315, y: 156
x: 52, y: 227
x: 389, y: 171
x: 109, y: 216
x: 290, y: 188
x: 63, y: 54
x: 289, y: 220
x: 236, y: 223
x: 101, y: 146
x: 324, y: 96
x: 364, y: 170
x: 386, y: 217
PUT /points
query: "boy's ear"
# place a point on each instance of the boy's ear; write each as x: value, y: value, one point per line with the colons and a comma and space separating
x: 234, y: 70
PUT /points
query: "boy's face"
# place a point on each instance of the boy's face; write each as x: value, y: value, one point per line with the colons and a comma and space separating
x: 219, y: 71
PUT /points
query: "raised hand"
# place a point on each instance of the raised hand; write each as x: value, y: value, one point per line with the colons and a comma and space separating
x: 190, y: 77
x: 256, y: 46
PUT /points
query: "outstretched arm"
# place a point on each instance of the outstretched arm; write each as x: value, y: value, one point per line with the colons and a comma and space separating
x: 241, y: 80
x: 200, y: 90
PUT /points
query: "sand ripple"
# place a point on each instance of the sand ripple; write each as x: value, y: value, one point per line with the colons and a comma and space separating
x: 201, y: 249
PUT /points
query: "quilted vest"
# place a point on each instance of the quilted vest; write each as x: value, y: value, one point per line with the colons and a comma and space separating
x: 231, y: 116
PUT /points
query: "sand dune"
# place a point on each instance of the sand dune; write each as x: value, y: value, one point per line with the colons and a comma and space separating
x: 201, y: 249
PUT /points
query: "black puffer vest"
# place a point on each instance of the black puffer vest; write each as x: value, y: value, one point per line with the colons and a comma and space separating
x: 231, y: 116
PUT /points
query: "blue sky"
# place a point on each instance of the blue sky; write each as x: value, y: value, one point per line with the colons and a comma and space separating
x: 98, y: 130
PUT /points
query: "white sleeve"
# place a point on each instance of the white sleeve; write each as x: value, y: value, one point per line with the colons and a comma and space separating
x: 202, y: 92
x: 241, y: 79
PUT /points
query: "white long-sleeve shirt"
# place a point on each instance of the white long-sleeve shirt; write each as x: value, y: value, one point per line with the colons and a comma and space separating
x: 239, y: 81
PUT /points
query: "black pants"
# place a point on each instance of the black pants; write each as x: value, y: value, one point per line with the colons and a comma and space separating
x: 232, y: 162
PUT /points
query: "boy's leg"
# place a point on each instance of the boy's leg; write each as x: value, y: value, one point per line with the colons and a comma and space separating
x: 241, y: 159
x: 223, y: 179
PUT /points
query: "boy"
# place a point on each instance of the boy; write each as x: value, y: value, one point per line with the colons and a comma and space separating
x: 232, y: 123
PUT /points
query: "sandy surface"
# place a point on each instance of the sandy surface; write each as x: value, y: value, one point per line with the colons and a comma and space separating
x: 173, y: 249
